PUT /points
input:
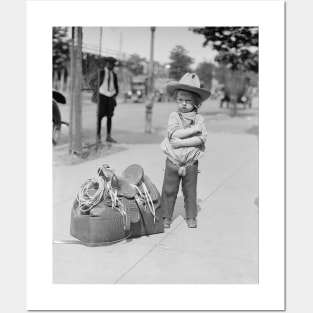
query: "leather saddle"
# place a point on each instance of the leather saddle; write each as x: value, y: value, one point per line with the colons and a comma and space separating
x: 133, y: 190
x: 127, y: 206
x: 132, y: 181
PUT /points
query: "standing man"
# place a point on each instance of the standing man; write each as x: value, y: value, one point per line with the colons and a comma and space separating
x: 107, y: 93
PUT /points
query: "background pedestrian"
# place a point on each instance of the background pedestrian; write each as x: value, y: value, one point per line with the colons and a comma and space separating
x: 108, y: 91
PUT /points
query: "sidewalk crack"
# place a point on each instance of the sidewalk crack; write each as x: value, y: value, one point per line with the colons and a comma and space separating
x: 148, y: 252
x: 228, y: 178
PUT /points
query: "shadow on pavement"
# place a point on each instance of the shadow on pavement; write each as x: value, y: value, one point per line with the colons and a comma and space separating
x: 179, y: 209
x: 254, y: 130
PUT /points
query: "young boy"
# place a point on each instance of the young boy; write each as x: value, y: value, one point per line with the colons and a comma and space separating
x: 184, y: 145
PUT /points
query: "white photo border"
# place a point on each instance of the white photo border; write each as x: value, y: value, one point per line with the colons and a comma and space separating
x: 269, y: 16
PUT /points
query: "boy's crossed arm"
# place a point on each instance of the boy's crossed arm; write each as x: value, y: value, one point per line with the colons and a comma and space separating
x: 187, y: 132
x: 187, y: 137
x: 186, y: 142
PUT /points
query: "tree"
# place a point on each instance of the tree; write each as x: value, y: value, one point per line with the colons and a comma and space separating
x: 135, y: 64
x: 221, y: 73
x: 237, y: 47
x: 60, y: 57
x: 181, y: 62
x: 205, y: 72
x: 61, y: 48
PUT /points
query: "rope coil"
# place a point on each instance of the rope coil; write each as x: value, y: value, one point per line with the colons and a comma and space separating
x: 98, y: 185
x: 87, y: 201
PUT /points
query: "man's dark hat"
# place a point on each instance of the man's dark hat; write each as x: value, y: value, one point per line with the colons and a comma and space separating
x: 111, y: 60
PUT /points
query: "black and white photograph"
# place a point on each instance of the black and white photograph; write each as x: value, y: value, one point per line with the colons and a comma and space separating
x: 155, y: 159
x: 122, y: 172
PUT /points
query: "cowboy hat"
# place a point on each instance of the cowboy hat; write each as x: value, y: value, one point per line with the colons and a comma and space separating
x: 189, y: 82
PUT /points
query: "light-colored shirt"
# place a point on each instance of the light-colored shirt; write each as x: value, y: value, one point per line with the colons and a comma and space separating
x: 184, y: 155
x: 105, y: 88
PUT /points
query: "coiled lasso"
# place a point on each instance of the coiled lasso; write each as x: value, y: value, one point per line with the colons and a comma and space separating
x: 87, y: 201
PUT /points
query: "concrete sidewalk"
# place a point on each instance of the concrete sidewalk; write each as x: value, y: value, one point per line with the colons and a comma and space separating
x: 224, y: 247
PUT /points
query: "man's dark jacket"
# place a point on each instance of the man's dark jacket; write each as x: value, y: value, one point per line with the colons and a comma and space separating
x: 95, y: 85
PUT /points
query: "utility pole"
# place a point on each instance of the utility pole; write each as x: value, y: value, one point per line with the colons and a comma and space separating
x: 121, y: 45
x: 100, y: 42
x: 150, y: 102
x: 75, y: 146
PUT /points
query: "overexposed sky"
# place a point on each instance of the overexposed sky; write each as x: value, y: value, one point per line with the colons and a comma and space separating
x: 131, y: 40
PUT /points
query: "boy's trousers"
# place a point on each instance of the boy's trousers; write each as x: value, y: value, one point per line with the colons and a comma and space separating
x: 171, y: 186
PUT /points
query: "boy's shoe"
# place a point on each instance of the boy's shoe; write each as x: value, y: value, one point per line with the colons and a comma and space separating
x: 167, y: 222
x: 192, y: 222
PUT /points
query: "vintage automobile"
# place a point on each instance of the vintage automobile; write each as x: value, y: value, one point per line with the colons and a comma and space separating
x: 138, y: 89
